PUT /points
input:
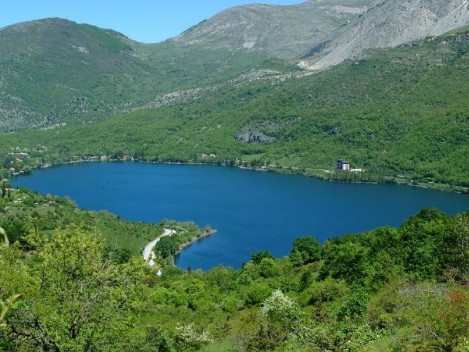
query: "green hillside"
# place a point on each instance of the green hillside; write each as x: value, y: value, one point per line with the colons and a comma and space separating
x: 64, y: 288
x: 401, y: 114
x: 55, y: 71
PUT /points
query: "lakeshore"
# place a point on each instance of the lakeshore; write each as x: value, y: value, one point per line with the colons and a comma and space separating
x: 317, y: 173
x: 252, y: 211
x: 195, y: 240
x: 149, y: 255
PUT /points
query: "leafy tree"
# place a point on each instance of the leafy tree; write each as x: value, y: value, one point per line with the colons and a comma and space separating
x: 188, y: 339
x: 268, y: 268
x: 157, y: 340
x: 167, y: 246
x: 426, y: 239
x: 280, y: 319
x: 256, y: 293
x: 258, y: 256
x: 305, y: 250
x: 77, y: 299
x: 437, y: 315
x: 347, y: 261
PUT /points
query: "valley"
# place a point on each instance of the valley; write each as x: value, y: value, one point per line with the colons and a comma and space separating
x: 369, y: 92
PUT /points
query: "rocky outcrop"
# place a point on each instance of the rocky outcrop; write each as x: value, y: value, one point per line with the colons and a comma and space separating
x: 389, y: 23
x: 281, y: 31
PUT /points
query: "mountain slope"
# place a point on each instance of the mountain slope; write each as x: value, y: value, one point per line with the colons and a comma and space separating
x: 389, y: 24
x: 54, y: 67
x: 386, y: 113
x: 56, y: 71
x: 281, y: 31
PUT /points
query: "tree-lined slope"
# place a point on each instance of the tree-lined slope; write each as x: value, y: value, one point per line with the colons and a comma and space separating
x: 56, y: 71
x: 386, y: 113
x: 62, y: 288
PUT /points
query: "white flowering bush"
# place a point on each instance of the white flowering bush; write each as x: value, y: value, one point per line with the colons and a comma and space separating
x: 280, y: 308
x: 188, y: 339
x: 281, y: 320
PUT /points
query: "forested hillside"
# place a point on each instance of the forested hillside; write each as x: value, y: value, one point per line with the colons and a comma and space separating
x: 75, y: 280
x: 63, y: 288
x: 399, y: 114
x: 55, y: 72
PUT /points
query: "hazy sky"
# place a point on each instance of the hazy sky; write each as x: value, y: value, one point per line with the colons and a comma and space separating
x: 146, y: 21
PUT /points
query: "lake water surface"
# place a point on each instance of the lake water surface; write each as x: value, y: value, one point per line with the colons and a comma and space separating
x: 251, y: 210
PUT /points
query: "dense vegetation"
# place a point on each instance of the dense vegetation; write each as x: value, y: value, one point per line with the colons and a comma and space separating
x: 397, y: 289
x: 385, y: 113
x: 55, y: 71
x: 23, y: 212
x: 74, y: 280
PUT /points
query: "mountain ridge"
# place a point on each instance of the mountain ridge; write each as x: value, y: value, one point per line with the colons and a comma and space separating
x: 283, y: 31
x: 55, y: 69
x: 390, y: 24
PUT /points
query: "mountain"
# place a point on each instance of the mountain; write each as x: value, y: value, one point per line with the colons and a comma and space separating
x: 386, y: 113
x: 55, y: 71
x: 198, y: 97
x: 326, y: 32
x: 280, y: 31
x: 389, y: 24
x: 53, y: 68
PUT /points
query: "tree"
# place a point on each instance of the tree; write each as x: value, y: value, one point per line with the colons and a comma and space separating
x: 167, y: 246
x: 188, y: 339
x: 76, y: 299
x: 305, y: 250
x: 425, y: 242
x: 280, y: 319
x: 438, y: 316
x: 347, y: 261
x: 258, y: 256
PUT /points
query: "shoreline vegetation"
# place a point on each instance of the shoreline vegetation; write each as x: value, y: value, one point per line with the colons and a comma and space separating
x: 149, y: 251
x: 389, y: 288
x: 332, y: 175
x: 24, y: 211
x: 197, y: 238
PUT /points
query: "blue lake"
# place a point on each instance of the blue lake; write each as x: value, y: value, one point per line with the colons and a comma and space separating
x: 251, y: 210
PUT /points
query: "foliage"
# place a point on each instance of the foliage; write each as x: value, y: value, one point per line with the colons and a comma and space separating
x: 365, y: 292
x: 59, y: 72
x: 6, y: 306
x: 305, y: 250
x: 28, y: 212
x: 188, y: 339
x: 259, y: 256
x: 384, y: 113
x: 75, y: 299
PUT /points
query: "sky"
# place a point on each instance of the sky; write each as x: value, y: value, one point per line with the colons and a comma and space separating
x: 147, y: 21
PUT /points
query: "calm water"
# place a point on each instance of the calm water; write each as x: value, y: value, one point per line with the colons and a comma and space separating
x: 251, y: 210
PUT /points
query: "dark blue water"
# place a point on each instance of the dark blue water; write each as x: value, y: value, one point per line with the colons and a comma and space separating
x: 251, y: 210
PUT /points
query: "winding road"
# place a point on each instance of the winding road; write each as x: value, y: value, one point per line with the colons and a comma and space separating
x: 148, y: 250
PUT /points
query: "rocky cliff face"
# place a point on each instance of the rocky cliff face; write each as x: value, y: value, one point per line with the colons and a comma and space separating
x: 327, y: 32
x: 388, y: 24
x: 281, y: 31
